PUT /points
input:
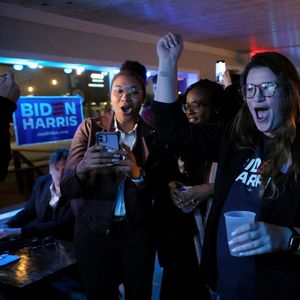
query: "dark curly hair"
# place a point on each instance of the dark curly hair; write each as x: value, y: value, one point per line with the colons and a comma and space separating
x: 135, y: 69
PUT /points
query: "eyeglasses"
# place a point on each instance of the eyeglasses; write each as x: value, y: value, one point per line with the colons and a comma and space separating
x: 268, y: 89
x: 194, y: 106
x: 132, y: 91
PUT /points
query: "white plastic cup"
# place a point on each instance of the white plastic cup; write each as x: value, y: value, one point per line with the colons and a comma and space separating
x: 235, y: 219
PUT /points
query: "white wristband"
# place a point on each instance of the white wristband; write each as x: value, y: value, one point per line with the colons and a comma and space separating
x: 138, y: 180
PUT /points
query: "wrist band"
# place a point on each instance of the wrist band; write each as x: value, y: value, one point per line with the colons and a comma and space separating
x: 138, y: 180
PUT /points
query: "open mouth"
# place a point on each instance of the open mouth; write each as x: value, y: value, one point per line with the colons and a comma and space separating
x: 192, y: 119
x: 261, y: 113
x: 126, y: 108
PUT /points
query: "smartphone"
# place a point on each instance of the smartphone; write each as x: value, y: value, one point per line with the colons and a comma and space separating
x: 220, y: 69
x: 110, y: 140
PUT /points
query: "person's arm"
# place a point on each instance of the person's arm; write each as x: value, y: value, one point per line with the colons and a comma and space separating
x: 74, y: 179
x: 203, y: 138
x: 9, y: 94
x: 84, y: 161
x: 189, y: 197
x: 28, y: 213
x: 260, y: 238
x: 169, y: 49
x: 227, y: 79
x: 6, y: 110
x: 9, y: 232
x: 62, y: 227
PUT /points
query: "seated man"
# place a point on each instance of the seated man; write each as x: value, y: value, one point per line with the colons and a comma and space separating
x: 46, y: 213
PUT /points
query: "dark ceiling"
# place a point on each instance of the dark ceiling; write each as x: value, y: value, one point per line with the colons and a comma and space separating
x: 241, y: 26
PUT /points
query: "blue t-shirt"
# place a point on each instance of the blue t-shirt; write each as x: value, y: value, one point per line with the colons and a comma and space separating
x: 237, y: 274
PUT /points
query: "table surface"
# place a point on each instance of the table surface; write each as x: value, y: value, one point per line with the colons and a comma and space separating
x: 37, y: 261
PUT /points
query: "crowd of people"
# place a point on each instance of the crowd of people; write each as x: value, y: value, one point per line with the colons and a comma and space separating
x: 182, y: 163
x: 258, y: 170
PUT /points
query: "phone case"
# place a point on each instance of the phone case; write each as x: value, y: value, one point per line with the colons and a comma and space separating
x: 108, y: 139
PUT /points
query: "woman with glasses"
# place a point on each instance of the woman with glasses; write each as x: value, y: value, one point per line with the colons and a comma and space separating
x: 258, y: 170
x: 115, y: 190
x: 184, y: 215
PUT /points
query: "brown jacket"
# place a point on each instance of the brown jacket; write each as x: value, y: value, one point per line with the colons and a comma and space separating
x: 96, y: 196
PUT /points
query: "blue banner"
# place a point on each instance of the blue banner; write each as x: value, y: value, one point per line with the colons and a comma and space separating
x: 43, y: 119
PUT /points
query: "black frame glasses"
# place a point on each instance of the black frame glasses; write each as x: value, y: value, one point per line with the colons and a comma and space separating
x: 268, y: 89
x: 194, y: 106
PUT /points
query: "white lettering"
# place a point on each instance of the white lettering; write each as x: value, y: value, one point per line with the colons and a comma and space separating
x: 252, y: 180
x: 28, y: 122
x: 242, y: 177
x: 250, y: 164
x: 258, y: 180
x: 255, y: 165
x: 45, y: 109
x: 73, y: 121
x: 50, y: 122
x: 70, y: 108
x: 36, y: 109
x: 60, y: 121
x: 26, y: 110
x: 40, y: 123
x: 250, y: 176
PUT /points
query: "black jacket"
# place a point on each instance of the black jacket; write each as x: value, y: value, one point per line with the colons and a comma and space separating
x: 32, y: 219
x: 277, y: 274
x: 96, y: 196
x: 7, y: 108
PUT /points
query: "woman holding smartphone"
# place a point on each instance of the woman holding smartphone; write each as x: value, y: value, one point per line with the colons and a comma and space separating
x: 114, y: 191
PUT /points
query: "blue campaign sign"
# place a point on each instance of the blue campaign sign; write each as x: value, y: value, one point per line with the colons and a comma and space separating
x: 43, y: 119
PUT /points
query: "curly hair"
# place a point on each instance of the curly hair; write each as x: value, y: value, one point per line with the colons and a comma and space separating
x: 135, y: 69
x: 285, y: 143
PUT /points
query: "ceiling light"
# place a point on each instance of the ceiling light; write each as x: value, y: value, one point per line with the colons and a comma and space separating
x: 18, y: 67
x: 68, y: 70
x: 32, y: 65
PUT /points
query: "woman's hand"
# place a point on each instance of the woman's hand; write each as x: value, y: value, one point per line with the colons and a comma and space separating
x: 189, y: 197
x: 259, y: 238
x: 227, y: 79
x: 170, y: 46
x: 175, y: 190
x: 97, y: 157
x: 8, y: 87
x: 196, y: 194
x: 128, y: 164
